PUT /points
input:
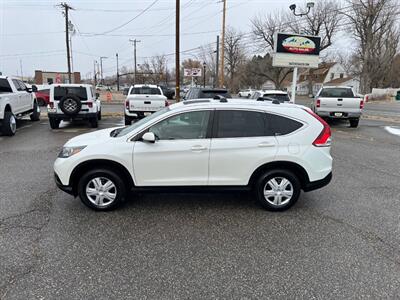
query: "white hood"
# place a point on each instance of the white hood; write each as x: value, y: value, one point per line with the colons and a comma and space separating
x: 96, y: 137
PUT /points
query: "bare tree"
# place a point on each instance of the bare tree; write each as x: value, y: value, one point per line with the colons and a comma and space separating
x: 374, y: 25
x: 208, y: 55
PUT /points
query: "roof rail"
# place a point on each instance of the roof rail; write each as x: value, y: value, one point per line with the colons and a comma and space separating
x: 194, y: 101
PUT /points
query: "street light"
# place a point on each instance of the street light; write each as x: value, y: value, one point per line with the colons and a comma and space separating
x: 204, y: 74
x: 293, y: 7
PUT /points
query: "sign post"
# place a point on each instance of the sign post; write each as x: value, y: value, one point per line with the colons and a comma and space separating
x: 194, y: 72
x: 296, y: 51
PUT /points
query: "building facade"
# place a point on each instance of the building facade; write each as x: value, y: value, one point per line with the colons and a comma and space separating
x: 44, y: 77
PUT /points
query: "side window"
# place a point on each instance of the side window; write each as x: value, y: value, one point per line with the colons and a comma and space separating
x: 237, y: 123
x: 189, y: 125
x: 5, y: 86
x: 22, y: 85
x: 16, y: 83
x: 278, y: 125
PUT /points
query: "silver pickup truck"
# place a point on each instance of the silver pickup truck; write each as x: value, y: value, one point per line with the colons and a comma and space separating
x: 338, y: 102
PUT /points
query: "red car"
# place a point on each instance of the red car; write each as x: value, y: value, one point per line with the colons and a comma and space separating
x: 43, y: 97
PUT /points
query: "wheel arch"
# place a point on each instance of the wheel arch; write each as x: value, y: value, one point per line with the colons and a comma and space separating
x: 298, y: 170
x: 111, y: 165
x: 8, y: 107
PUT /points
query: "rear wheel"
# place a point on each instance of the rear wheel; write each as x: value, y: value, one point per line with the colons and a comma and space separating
x: 35, y: 116
x: 94, y: 122
x: 354, y: 123
x: 278, y: 190
x: 9, y: 125
x: 102, y: 190
x: 99, y: 115
x: 128, y: 120
x: 54, y: 123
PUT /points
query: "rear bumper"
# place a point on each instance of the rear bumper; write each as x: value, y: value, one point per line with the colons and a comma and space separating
x: 65, y: 117
x: 315, y: 185
x: 137, y: 114
x: 345, y: 115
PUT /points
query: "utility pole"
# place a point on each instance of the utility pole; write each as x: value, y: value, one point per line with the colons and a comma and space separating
x: 95, y: 73
x: 177, y: 59
x: 66, y: 9
x: 216, y: 80
x: 101, y: 69
x: 22, y: 74
x: 222, y: 81
x: 135, y: 41
x: 117, y: 73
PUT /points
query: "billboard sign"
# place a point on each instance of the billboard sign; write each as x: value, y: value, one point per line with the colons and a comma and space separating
x: 194, y: 72
x: 295, y: 50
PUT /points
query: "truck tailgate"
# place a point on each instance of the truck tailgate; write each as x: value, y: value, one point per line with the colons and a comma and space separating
x: 146, y: 102
x: 339, y: 104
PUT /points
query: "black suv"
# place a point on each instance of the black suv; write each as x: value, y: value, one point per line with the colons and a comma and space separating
x: 200, y: 93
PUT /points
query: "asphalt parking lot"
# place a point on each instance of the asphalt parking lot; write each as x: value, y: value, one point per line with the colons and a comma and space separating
x: 339, y: 242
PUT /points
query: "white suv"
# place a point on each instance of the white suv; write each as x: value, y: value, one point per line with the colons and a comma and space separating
x: 275, y: 149
x: 73, y: 102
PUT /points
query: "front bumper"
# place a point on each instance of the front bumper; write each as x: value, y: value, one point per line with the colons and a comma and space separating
x: 314, y: 185
x: 65, y: 117
x: 65, y: 188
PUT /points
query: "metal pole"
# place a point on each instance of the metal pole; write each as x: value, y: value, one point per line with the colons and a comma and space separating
x: 95, y: 73
x: 117, y: 73
x: 134, y: 59
x: 216, y: 81
x: 67, y: 7
x: 294, y: 83
x: 204, y: 74
x: 177, y: 58
x: 22, y: 74
x: 222, y: 82
x: 101, y: 71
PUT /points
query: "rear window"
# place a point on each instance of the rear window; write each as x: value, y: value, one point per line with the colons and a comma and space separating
x: 280, y: 97
x: 337, y: 93
x: 212, y: 94
x: 278, y: 125
x: 5, y: 86
x: 61, y: 91
x: 145, y: 91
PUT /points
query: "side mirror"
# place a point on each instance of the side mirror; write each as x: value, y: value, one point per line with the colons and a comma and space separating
x: 34, y: 88
x: 149, y: 137
x: 97, y: 95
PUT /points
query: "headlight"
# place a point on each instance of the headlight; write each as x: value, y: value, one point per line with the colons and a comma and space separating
x: 69, y: 151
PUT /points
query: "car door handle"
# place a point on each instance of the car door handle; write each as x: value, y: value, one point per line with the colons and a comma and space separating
x: 198, y: 148
x: 266, y: 144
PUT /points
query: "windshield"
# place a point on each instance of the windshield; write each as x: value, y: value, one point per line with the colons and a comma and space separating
x: 141, y: 122
x: 280, y: 97
x: 145, y: 91
x: 337, y: 93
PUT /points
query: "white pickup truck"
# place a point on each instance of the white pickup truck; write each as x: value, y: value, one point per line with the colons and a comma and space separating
x: 142, y: 100
x: 338, y: 102
x: 16, y: 101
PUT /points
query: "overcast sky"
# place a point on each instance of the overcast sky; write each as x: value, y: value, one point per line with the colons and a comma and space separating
x: 32, y: 32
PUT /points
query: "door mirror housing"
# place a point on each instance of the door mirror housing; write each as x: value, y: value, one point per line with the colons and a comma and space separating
x: 34, y: 88
x: 149, y: 137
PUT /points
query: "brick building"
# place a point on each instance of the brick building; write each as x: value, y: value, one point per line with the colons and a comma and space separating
x: 44, y: 77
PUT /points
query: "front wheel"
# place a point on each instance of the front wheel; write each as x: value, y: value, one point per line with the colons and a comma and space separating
x: 354, y: 123
x: 54, y: 123
x: 128, y: 121
x: 94, y: 122
x: 35, y: 116
x: 99, y: 115
x: 278, y: 190
x: 102, y: 190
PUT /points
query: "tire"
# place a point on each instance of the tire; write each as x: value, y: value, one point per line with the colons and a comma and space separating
x: 99, y: 115
x: 94, y: 182
x: 354, y: 123
x: 266, y: 183
x: 128, y: 121
x: 9, y: 124
x: 94, y: 122
x: 35, y: 116
x: 41, y: 102
x: 54, y: 123
x: 70, y: 104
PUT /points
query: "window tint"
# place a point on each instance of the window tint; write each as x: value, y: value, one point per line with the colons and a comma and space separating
x: 190, y: 125
x: 236, y: 123
x: 337, y: 93
x: 5, y: 86
x: 61, y: 91
x: 145, y: 91
x: 278, y: 125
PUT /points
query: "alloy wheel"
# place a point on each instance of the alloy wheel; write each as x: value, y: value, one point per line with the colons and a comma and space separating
x: 278, y: 191
x: 101, y: 191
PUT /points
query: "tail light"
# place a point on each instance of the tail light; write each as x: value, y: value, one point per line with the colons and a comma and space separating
x: 166, y: 103
x: 324, y: 139
x: 318, y: 103
x: 51, y: 105
x: 361, y: 104
x: 90, y: 104
x: 127, y: 104
x: 366, y: 98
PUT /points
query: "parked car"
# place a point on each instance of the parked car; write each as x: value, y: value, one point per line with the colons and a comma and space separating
x: 43, y: 97
x: 245, y: 93
x: 338, y: 102
x: 281, y: 96
x: 69, y: 102
x: 168, y: 92
x: 276, y: 150
x: 16, y: 101
x: 143, y: 100
x: 203, y: 93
